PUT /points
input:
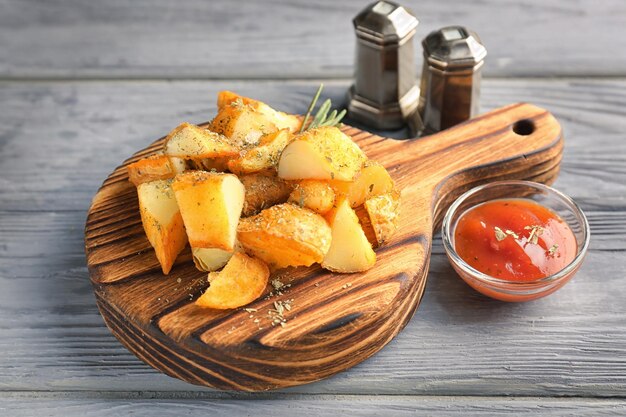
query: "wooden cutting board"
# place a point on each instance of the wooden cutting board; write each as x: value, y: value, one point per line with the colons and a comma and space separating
x: 336, y: 320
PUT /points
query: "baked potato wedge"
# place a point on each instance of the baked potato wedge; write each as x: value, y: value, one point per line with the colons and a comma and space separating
x: 285, y: 235
x: 263, y: 156
x: 155, y: 167
x: 210, y: 164
x: 210, y: 259
x: 324, y: 153
x: 350, y: 251
x: 263, y: 190
x: 371, y: 181
x: 228, y: 98
x: 242, y: 281
x: 242, y: 124
x: 279, y: 119
x: 366, y: 225
x: 383, y: 211
x: 210, y: 204
x: 315, y: 195
x: 162, y: 221
x: 189, y: 141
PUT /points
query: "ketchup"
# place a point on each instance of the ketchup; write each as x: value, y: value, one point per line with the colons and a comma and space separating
x: 514, y: 239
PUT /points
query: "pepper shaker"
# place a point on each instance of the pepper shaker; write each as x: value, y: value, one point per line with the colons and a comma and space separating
x: 450, y: 85
x: 385, y: 91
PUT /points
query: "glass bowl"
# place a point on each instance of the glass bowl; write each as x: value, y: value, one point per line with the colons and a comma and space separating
x: 548, y: 197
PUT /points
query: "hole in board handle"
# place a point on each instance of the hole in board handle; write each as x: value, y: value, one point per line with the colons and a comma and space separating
x: 524, y: 127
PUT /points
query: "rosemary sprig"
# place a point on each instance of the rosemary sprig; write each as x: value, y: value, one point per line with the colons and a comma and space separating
x: 311, y: 106
x: 321, y: 118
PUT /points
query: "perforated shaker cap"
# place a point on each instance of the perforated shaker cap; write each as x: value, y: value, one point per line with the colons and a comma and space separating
x: 385, y: 22
x: 453, y: 47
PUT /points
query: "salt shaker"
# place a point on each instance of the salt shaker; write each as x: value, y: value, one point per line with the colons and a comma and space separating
x: 385, y: 92
x: 450, y: 85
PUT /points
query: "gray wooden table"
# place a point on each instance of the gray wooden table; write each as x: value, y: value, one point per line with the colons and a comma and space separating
x: 84, y: 84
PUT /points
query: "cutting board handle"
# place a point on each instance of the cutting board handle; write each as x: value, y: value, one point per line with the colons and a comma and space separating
x: 508, y: 143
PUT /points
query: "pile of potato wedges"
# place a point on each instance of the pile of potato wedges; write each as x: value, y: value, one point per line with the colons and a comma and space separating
x: 252, y: 194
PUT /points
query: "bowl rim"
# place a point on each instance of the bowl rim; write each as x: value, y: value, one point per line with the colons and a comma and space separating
x: 460, y: 262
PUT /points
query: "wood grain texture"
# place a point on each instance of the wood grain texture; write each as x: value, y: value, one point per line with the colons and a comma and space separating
x: 336, y: 320
x: 278, y: 39
x: 59, y: 139
x: 460, y: 343
x: 308, y: 406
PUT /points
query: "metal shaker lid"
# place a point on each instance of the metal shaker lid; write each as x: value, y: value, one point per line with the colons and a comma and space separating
x: 385, y: 22
x: 453, y: 47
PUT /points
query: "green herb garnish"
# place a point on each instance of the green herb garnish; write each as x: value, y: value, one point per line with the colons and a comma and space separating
x: 322, y: 117
x: 553, y: 249
x: 500, y: 235
x: 535, y: 232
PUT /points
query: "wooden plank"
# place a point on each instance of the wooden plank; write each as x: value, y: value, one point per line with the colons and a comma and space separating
x: 459, y: 343
x: 306, y: 406
x: 90, y: 127
x: 271, y: 39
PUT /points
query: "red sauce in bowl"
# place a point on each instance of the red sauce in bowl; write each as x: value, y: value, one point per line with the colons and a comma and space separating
x: 514, y: 240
